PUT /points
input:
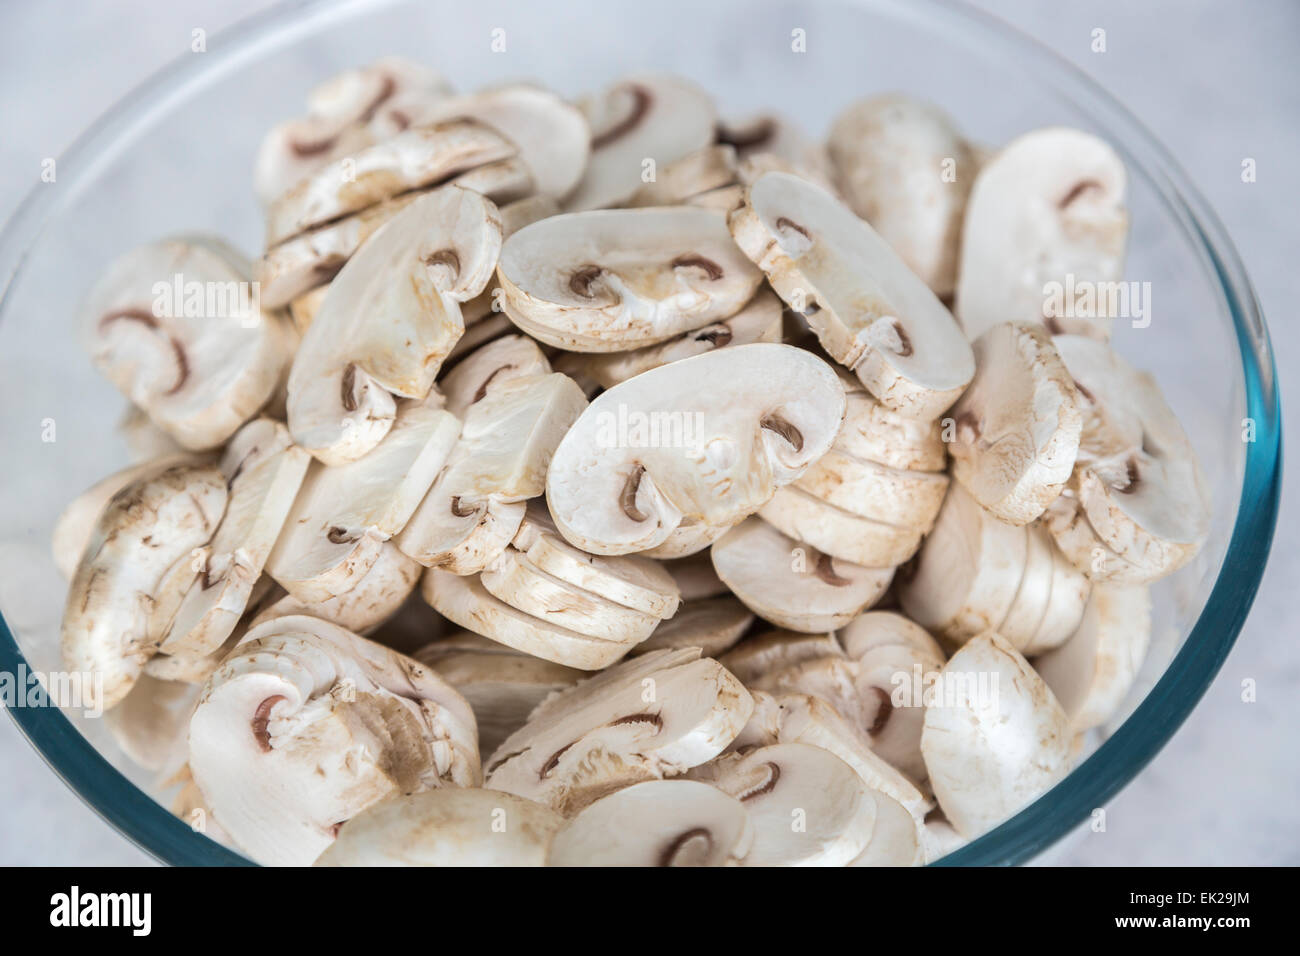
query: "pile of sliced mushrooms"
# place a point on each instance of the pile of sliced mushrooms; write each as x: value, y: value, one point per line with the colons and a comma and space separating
x: 595, y: 483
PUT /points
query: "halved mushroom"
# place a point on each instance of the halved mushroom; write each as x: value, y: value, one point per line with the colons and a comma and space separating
x: 264, y: 470
x: 147, y: 528
x: 995, y: 738
x: 759, y: 321
x: 491, y: 365
x: 657, y: 823
x: 474, y: 508
x: 790, y: 583
x: 654, y: 716
x: 903, y: 167
x: 808, y: 807
x: 178, y: 330
x: 662, y: 118
x: 770, y: 651
x: 839, y: 533
x: 344, y: 514
x: 650, y: 454
x: 870, y: 312
x: 1048, y: 208
x: 1091, y: 673
x: 610, y: 280
x: 419, y: 157
x: 1138, y: 497
x: 710, y: 168
x: 390, y: 318
x: 711, y: 624
x: 152, y: 722
x: 1017, y: 427
x: 307, y: 724
x: 446, y: 827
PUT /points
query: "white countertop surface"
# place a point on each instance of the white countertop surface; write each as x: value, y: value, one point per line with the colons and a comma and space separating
x: 1215, y: 81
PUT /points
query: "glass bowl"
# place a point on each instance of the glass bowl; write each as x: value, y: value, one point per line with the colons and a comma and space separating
x: 176, y: 156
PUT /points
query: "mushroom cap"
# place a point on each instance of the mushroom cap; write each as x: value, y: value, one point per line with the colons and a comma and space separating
x: 617, y: 484
x: 996, y: 739
x: 1017, y: 425
x: 653, y: 716
x: 391, y: 316
x: 839, y: 533
x: 1137, y: 479
x: 1049, y: 205
x: 657, y: 116
x: 497, y: 362
x: 616, y: 279
x: 657, y: 823
x: 789, y: 583
x: 709, y: 168
x: 873, y: 315
x: 1091, y: 673
x: 147, y: 528
x: 306, y: 724
x: 177, y: 328
x: 446, y: 827
x: 711, y: 624
x: 888, y: 155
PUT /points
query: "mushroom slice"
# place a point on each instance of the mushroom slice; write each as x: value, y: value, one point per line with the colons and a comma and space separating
x: 808, y: 807
x: 1137, y: 482
x: 419, y: 157
x: 903, y: 167
x: 390, y: 318
x: 790, y: 583
x: 759, y: 321
x: 657, y: 823
x: 688, y: 538
x: 1067, y: 598
x: 177, y: 328
x: 645, y: 457
x: 1048, y: 208
x: 367, y: 604
x: 1017, y: 425
x: 875, y: 432
x: 909, y: 499
x: 152, y: 722
x: 966, y: 577
x: 264, y: 470
x: 307, y: 724
x: 446, y: 827
x: 474, y: 508
x: 833, y: 531
x: 147, y: 528
x: 771, y: 651
x: 1049, y: 603
x: 490, y: 365
x: 654, y: 716
x: 344, y: 514
x: 1091, y: 673
x: 502, y: 685
x: 873, y: 315
x: 895, y: 838
x: 995, y: 739
x: 611, y: 280
x: 662, y: 118
x: 710, y: 168
x: 711, y: 624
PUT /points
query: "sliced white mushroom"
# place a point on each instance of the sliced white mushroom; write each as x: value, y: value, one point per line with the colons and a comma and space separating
x: 1050, y: 599
x: 1091, y: 673
x: 875, y: 432
x: 654, y: 716
x: 688, y: 538
x: 307, y: 724
x: 610, y: 280
x: 176, y: 326
x: 995, y: 737
x: 770, y: 651
x: 656, y: 117
x: 1047, y: 209
x: 474, y: 508
x: 808, y: 807
x: 710, y: 168
x: 657, y: 823
x: 908, y: 499
x: 619, y: 484
x: 390, y: 318
x: 145, y: 530
x: 870, y: 312
x: 1017, y: 426
x: 446, y: 827
x: 152, y: 722
x: 1138, y: 491
x: 839, y: 533
x: 506, y: 358
x: 418, y: 157
x: 895, y: 839
x: 344, y: 514
x: 903, y: 167
x: 711, y: 624
x: 790, y: 583
x: 264, y: 470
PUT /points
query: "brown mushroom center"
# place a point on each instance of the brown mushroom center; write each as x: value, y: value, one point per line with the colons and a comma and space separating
x: 784, y: 223
x: 627, y: 498
x: 688, y: 849
x: 150, y: 322
x: 482, y: 389
x: 458, y: 511
x: 581, y: 280
x: 261, y: 720
x: 1078, y: 387
x: 825, y: 571
x: 717, y: 336
x: 444, y: 260
x: 641, y: 100
x: 1077, y: 191
x: 771, y: 774
x: 337, y: 535
x: 694, y: 260
x: 775, y: 423
x: 1133, y: 476
x: 653, y: 720
x: 552, y: 761
x: 756, y: 135
x: 885, y: 710
x: 348, y: 388
x: 904, y: 341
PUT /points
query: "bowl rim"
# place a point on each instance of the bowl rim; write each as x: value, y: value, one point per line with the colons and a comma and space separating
x: 148, y: 824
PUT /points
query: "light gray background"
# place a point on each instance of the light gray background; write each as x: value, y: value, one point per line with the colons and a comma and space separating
x: 1216, y: 81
